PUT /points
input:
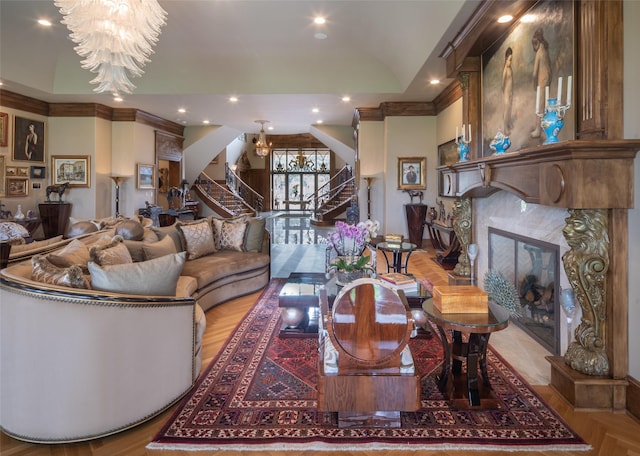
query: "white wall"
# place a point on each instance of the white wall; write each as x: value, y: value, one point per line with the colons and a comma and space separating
x: 406, y: 137
x: 632, y: 131
x: 371, y: 149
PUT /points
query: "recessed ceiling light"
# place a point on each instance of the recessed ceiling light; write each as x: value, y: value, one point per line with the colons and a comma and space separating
x: 44, y: 22
x: 504, y: 19
x: 117, y: 98
x: 320, y: 36
x: 270, y: 128
x: 346, y: 98
x: 319, y: 20
x: 434, y: 81
x: 527, y: 18
x: 206, y: 122
x: 233, y: 99
x: 182, y: 110
x: 320, y: 121
x: 315, y: 110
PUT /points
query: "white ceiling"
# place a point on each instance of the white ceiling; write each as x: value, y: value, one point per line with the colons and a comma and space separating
x: 264, y: 52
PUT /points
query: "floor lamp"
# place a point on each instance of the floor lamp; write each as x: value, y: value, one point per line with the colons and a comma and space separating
x: 117, y: 180
x: 368, y: 180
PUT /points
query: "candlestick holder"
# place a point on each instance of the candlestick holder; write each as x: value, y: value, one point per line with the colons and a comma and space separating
x: 552, y: 120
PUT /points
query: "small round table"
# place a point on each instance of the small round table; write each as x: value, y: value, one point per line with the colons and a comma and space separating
x: 396, y: 250
x: 477, y: 327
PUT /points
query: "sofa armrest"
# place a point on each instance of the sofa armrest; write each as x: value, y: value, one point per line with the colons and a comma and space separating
x: 77, y: 365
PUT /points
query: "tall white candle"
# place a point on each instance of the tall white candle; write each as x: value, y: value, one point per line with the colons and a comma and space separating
x: 538, y: 100
x: 469, y: 132
x: 456, y: 135
x: 559, y: 91
x: 546, y: 97
x: 464, y: 135
x: 569, y: 91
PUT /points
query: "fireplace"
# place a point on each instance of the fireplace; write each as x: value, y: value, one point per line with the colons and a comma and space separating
x: 533, y: 267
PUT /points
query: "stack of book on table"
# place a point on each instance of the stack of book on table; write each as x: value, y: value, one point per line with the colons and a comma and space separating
x: 401, y: 281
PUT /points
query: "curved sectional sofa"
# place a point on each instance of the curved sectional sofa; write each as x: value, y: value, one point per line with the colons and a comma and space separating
x: 78, y: 364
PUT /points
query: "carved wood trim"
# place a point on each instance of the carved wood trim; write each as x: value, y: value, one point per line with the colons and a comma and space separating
x: 393, y: 108
x: 168, y: 146
x: 23, y: 103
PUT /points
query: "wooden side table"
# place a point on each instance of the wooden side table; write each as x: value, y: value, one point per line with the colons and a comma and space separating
x: 467, y: 389
x: 55, y: 217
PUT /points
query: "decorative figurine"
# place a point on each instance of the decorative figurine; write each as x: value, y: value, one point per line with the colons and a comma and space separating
x: 59, y: 189
x: 500, y: 143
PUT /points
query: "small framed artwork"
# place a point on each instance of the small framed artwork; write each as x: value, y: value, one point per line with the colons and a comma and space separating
x: 23, y: 171
x: 17, y: 186
x: 11, y: 171
x: 4, y: 129
x: 146, y: 176
x: 74, y: 169
x: 28, y: 140
x: 38, y: 172
x: 412, y: 173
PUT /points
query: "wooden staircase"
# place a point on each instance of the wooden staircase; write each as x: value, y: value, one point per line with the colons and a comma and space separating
x: 333, y: 198
x: 232, y: 200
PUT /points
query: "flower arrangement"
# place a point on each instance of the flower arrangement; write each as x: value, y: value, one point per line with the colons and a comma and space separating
x: 349, y: 242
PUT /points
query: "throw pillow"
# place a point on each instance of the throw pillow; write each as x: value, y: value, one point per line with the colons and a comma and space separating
x: 35, y: 245
x: 254, y: 235
x: 198, y: 238
x: 157, y: 249
x: 131, y: 230
x: 172, y: 232
x: 80, y: 228
x: 157, y: 277
x: 229, y: 234
x: 45, y: 272
x: 114, y: 252
x: 74, y: 253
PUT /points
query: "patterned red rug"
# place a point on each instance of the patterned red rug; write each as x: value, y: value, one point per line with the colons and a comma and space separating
x: 259, y: 393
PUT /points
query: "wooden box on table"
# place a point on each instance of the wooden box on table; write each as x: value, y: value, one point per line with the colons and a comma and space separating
x: 460, y: 299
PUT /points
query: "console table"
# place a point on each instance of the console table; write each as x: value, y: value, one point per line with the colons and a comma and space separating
x: 445, y: 242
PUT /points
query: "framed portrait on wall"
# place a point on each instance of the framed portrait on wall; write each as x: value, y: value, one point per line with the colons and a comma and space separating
x: 146, y: 177
x: 75, y: 169
x: 412, y: 173
x: 531, y: 54
x: 4, y: 129
x: 28, y: 140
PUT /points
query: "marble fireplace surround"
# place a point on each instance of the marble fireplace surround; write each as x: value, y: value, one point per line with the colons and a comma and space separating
x: 543, y: 189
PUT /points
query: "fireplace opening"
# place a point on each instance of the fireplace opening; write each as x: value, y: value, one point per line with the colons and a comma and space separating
x: 533, y: 266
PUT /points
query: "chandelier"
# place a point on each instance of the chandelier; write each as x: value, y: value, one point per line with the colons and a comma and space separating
x: 115, y: 38
x: 262, y: 148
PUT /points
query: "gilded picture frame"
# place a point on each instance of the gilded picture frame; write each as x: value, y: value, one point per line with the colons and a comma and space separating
x: 75, y: 169
x: 28, y: 140
x: 4, y: 129
x: 146, y: 177
x: 17, y: 187
x: 412, y: 173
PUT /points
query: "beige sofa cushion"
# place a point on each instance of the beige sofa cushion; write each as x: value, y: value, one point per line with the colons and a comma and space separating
x: 157, y: 249
x: 45, y: 272
x: 76, y: 252
x: 157, y: 277
x: 34, y: 246
x: 254, y: 234
x: 198, y: 238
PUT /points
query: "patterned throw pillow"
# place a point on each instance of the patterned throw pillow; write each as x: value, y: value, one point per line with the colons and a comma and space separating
x: 229, y: 234
x: 198, y: 238
x: 45, y: 272
x: 114, y: 252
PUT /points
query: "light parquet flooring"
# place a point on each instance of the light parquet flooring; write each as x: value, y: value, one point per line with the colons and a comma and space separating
x: 609, y: 434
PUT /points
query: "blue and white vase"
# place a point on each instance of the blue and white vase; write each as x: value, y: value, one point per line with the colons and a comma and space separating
x: 500, y: 143
x: 551, y: 122
x: 463, y: 151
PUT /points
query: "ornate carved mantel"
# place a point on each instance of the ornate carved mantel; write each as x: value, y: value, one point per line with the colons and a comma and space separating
x: 591, y: 176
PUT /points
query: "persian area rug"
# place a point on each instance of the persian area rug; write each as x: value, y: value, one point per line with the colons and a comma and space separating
x: 259, y: 393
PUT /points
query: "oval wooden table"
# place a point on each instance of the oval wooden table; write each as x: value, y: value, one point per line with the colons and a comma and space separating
x: 476, y: 328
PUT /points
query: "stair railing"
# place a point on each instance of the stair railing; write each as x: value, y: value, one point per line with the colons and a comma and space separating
x: 217, y: 195
x: 332, y: 188
x: 250, y: 197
